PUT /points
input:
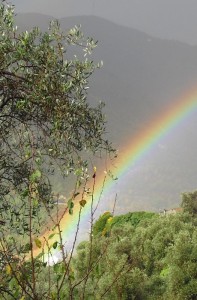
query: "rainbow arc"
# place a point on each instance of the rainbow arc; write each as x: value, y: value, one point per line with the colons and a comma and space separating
x: 134, y: 151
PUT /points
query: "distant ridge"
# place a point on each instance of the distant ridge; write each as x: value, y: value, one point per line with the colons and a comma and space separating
x: 31, y: 19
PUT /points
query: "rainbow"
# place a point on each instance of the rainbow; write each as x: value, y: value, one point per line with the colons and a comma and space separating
x: 132, y: 153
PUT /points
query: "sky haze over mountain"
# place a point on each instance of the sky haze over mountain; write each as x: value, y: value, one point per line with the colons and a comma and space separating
x: 171, y: 19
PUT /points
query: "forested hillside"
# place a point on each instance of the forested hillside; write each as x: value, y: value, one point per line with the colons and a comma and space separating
x: 139, y: 256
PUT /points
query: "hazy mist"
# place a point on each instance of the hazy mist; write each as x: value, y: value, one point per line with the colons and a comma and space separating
x: 171, y: 19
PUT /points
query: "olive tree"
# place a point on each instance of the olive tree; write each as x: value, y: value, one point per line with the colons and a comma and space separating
x: 46, y: 124
x: 189, y: 202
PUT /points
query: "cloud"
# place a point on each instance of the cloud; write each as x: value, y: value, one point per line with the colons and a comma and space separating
x: 57, y: 8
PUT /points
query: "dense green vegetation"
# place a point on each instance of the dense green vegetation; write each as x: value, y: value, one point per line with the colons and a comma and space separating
x: 105, y: 223
x: 189, y: 203
x: 154, y: 257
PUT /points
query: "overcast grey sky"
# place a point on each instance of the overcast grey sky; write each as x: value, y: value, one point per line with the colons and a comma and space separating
x: 172, y: 19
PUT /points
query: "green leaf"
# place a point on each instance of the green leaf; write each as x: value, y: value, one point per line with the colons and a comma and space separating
x: 25, y: 193
x: 51, y: 236
x: 56, y: 268
x: 35, y: 176
x: 70, y: 204
x: 38, y: 161
x: 27, y: 248
x: 8, y: 269
x: 55, y: 245
x: 38, y: 243
x: 35, y: 202
x: 78, y: 183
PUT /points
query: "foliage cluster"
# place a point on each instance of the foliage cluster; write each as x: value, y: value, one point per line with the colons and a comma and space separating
x: 47, y: 126
x: 106, y: 221
x: 189, y: 202
x: 154, y: 259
